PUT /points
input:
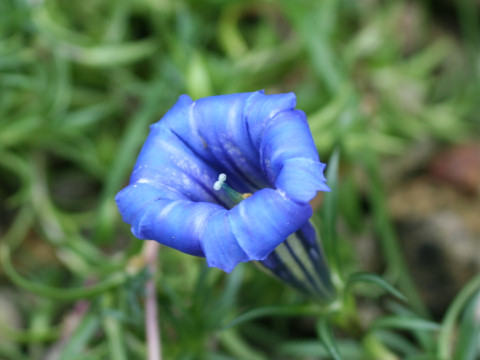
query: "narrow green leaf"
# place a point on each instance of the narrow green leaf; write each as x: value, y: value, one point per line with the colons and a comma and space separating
x: 81, y: 336
x: 326, y: 336
x: 469, y: 332
x: 273, y: 311
x: 389, y: 241
x: 445, y: 338
x: 329, y: 212
x: 313, y: 349
x: 397, y: 342
x: 57, y: 293
x: 113, y: 330
x: 405, y: 323
x: 421, y: 357
x: 235, y: 344
x: 108, y: 55
x: 29, y: 336
x: 364, y: 277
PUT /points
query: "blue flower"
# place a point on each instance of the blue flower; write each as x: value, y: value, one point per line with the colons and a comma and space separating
x: 263, y: 145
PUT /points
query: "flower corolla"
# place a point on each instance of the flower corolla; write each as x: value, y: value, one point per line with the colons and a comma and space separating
x: 264, y: 147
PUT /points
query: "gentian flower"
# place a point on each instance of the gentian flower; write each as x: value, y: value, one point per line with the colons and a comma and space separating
x: 258, y: 152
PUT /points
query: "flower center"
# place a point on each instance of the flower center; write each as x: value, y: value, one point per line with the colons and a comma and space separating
x: 235, y: 196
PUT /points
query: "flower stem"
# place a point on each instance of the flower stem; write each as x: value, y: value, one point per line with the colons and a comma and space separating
x: 150, y: 252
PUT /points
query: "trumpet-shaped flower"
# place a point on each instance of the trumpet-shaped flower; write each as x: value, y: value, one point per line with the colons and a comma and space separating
x: 264, y: 147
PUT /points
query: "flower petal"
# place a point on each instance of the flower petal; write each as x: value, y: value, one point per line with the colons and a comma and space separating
x: 226, y: 130
x: 220, y: 246
x: 167, y: 161
x: 289, y: 157
x: 301, y: 179
x: 261, y: 109
x: 175, y: 223
x: 264, y: 220
x: 132, y: 200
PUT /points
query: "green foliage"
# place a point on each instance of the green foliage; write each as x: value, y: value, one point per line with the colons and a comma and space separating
x: 80, y: 81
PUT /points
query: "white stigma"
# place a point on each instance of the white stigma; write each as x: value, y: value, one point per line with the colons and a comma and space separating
x: 221, y: 179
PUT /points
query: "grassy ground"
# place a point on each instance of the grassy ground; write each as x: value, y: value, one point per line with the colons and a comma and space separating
x: 81, y: 81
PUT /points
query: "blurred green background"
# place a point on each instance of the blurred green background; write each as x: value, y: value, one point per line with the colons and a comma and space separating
x: 391, y: 89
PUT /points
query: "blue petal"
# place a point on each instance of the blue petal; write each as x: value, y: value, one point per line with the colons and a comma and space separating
x: 289, y: 157
x: 261, y: 109
x: 261, y: 222
x: 178, y: 224
x: 220, y: 246
x: 165, y: 160
x: 287, y: 136
x: 301, y: 179
x: 132, y: 200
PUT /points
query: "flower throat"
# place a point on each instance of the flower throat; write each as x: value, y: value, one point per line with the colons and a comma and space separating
x: 235, y: 196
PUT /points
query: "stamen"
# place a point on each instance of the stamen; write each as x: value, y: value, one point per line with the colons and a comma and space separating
x: 218, y: 185
x: 235, y: 196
